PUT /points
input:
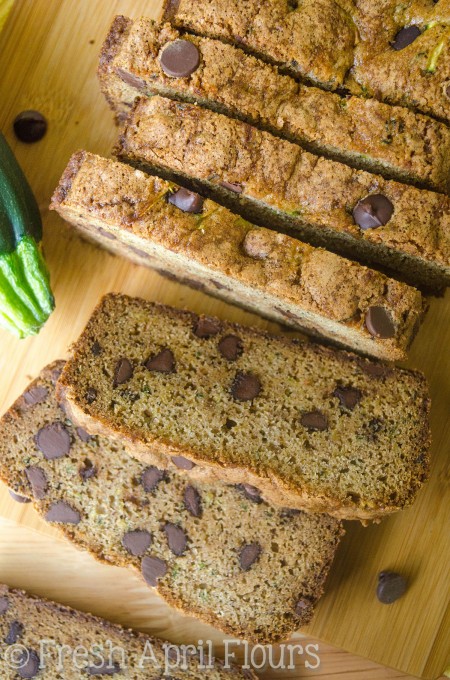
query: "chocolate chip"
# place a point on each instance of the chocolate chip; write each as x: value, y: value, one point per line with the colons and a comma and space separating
x: 229, y: 424
x: 104, y: 668
x: 55, y: 375
x: 163, y: 362
x: 230, y: 347
x: 38, y: 481
x: 251, y: 492
x: 405, y: 37
x: 374, y: 370
x: 53, y: 441
x: 83, y: 435
x: 302, y: 605
x: 96, y: 349
x: 290, y: 512
x: 91, y: 395
x: 390, y: 586
x: 62, y: 512
x: 349, y: 397
x: 176, y: 538
x: 187, y: 201
x: 30, y: 126
x: 123, y: 372
x: 153, y: 569
x: 232, y: 186
x: 137, y: 542
x: 193, y: 501
x: 106, y: 234
x: 15, y: 633
x: 206, y: 327
x: 87, y: 470
x: 131, y: 79
x: 4, y: 604
x: 151, y: 477
x: 28, y: 664
x: 245, y: 387
x: 19, y: 499
x: 35, y: 395
x: 447, y: 91
x: 373, y: 211
x: 249, y: 555
x: 180, y: 58
x: 314, y: 421
x: 183, y: 463
x: 379, y: 323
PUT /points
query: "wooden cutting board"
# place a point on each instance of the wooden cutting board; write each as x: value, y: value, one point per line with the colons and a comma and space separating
x: 48, y: 54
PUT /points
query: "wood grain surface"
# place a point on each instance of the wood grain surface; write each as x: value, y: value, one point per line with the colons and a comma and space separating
x: 48, y: 55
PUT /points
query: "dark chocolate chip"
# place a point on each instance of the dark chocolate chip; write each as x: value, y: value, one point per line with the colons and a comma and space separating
x: 38, y: 481
x: 137, y: 542
x: 104, y: 668
x: 187, y: 201
x: 15, y: 633
x: 248, y: 555
x: 28, y: 664
x: 35, y: 395
x: 379, y: 323
x: 290, y: 512
x: 163, y: 362
x: 302, y: 605
x: 91, y: 395
x: 229, y: 424
x: 83, y: 435
x: 374, y: 370
x: 4, y: 604
x: 193, y: 501
x: 390, y: 586
x: 314, y: 421
x: 251, y: 492
x: 151, y: 477
x: 349, y: 397
x: 183, y: 463
x: 405, y: 37
x: 153, y: 569
x: 180, y: 58
x: 232, y: 186
x: 176, y: 538
x: 30, y: 126
x: 245, y: 387
x: 87, y: 470
x: 62, y: 512
x: 55, y: 375
x: 230, y: 347
x: 19, y: 499
x: 373, y: 211
x: 131, y: 79
x: 207, y: 327
x: 53, y: 440
x: 122, y: 372
x: 96, y: 349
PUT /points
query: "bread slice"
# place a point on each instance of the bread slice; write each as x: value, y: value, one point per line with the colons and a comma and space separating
x: 212, y: 249
x: 273, y: 182
x: 196, y: 534
x: 45, y: 640
x: 311, y: 427
x: 393, y: 142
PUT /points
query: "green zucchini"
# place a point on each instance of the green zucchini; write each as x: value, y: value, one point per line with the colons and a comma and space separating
x: 26, y: 300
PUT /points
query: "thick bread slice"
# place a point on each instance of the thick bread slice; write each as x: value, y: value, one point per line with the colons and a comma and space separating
x: 393, y: 142
x: 194, y: 533
x: 215, y: 250
x: 312, y: 427
x: 48, y: 641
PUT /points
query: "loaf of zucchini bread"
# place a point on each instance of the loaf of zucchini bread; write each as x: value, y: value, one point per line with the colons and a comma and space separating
x: 395, y: 142
x: 273, y: 182
x: 48, y: 641
x: 214, y: 551
x: 203, y: 244
x: 311, y: 427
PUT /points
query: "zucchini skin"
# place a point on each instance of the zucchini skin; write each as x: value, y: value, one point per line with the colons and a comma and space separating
x: 26, y: 300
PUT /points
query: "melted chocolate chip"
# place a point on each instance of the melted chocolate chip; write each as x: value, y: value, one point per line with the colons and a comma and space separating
x: 232, y: 186
x: 153, y: 568
x: 35, y: 395
x: 375, y: 370
x: 131, y: 79
x: 180, y: 59
x: 38, y: 481
x: 53, y: 441
x: 230, y: 347
x: 91, y: 395
x: 248, y: 555
x: 193, y: 501
x: 187, y: 201
x: 104, y: 668
x: 245, y: 387
x: 379, y: 323
x: 62, y: 512
x: 302, y: 605
x: 207, y: 327
x: 349, y: 397
x: 176, y: 538
x: 4, y: 605
x: 151, y: 477
x: 87, y: 470
x: 137, y: 542
x: 19, y: 499
x: 390, y: 586
x: 15, y: 632
x: 373, y: 211
x: 251, y: 492
x: 405, y: 37
x: 122, y: 372
x: 96, y: 349
x: 314, y: 421
x: 28, y: 664
x: 83, y: 435
x: 163, y: 362
x: 183, y: 463
x: 30, y: 126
